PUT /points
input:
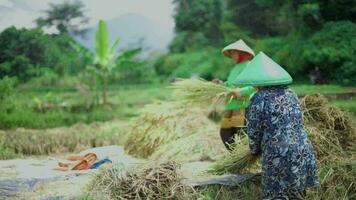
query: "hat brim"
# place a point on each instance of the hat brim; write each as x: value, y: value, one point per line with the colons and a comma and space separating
x: 226, y: 52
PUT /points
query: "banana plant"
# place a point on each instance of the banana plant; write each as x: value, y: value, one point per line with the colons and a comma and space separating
x: 105, y: 56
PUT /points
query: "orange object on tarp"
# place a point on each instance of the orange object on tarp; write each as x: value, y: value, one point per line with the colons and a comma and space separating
x: 80, y: 162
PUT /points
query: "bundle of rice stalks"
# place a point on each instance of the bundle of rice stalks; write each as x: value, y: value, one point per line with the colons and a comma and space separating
x: 201, y: 146
x: 330, y: 129
x: 161, y: 123
x: 150, y: 182
x: 238, y: 160
x: 201, y: 92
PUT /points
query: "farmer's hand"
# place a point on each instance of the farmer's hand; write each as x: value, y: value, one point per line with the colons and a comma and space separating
x: 216, y: 81
x: 235, y: 94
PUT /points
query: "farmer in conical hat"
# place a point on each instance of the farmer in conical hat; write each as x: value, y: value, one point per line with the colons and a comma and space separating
x: 276, y: 131
x: 233, y: 120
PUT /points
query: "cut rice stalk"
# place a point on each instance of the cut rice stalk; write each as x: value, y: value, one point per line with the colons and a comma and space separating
x: 161, y: 123
x: 239, y: 160
x: 202, y: 92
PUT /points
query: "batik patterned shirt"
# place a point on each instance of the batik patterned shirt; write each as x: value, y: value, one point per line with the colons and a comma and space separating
x: 275, y: 129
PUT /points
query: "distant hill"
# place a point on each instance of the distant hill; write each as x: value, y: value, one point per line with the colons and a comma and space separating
x: 134, y: 30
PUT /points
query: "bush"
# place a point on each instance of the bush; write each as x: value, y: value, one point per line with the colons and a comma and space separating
x: 332, y: 49
x: 7, y: 85
x: 208, y: 63
x: 24, y: 52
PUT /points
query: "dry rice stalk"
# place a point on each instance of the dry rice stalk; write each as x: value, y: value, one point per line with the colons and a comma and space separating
x: 59, y: 140
x: 149, y: 182
x: 239, y: 160
x: 161, y: 123
x: 330, y: 129
x: 203, y: 145
x: 201, y: 92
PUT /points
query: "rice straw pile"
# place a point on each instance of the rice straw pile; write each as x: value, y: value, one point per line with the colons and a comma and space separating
x: 201, y: 92
x: 149, y: 182
x: 161, y: 123
x: 201, y: 146
x: 330, y: 129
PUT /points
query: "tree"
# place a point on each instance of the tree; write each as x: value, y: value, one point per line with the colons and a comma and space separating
x: 66, y: 17
x: 197, y: 21
x: 260, y: 17
x: 25, y: 53
x: 106, y: 58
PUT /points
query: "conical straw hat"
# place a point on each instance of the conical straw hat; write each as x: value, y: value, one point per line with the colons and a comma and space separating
x: 263, y: 71
x: 239, y: 45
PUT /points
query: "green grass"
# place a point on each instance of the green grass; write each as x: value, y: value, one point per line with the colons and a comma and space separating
x: 70, y: 106
x: 347, y: 105
x: 307, y: 88
x: 249, y: 190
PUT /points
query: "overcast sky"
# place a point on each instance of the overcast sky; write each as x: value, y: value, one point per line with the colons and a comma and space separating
x: 22, y: 13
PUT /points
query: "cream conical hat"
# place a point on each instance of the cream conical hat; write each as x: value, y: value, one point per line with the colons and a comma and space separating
x: 239, y: 45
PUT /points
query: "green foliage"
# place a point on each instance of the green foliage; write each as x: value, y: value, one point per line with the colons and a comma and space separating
x: 333, y: 50
x: 194, y: 30
x: 300, y: 35
x: 7, y: 85
x: 310, y: 15
x: 260, y: 17
x: 207, y: 63
x: 335, y: 10
x: 102, y: 45
x: 66, y: 17
x: 28, y: 53
x: 188, y: 41
x: 108, y: 62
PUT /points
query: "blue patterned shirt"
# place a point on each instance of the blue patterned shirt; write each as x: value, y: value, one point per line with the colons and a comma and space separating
x: 275, y: 130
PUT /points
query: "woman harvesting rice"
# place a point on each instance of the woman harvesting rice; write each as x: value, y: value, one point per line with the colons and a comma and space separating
x: 275, y: 129
x: 233, y: 120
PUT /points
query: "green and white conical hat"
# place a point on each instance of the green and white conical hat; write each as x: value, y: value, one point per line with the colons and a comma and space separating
x: 263, y: 71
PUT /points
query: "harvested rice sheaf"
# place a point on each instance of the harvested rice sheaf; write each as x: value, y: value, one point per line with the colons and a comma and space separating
x: 161, y: 123
x: 201, y: 92
x: 201, y: 146
x: 161, y: 181
x: 238, y: 160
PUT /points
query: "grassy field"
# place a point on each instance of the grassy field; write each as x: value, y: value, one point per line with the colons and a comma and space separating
x: 52, y: 107
x: 347, y: 105
x: 307, y: 88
